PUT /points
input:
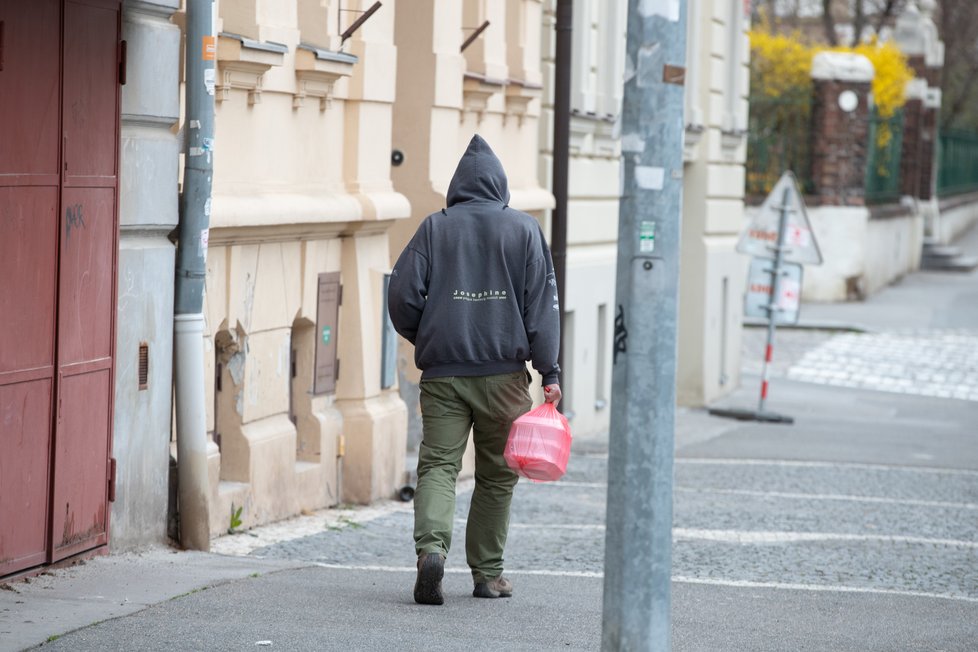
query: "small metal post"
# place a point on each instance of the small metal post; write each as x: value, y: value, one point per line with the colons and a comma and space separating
x: 364, y: 17
x: 474, y: 35
x: 772, y: 308
x: 561, y: 159
x: 638, y: 544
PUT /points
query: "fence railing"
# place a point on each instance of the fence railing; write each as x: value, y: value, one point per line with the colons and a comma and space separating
x: 958, y: 163
x: 885, y: 148
x: 779, y: 139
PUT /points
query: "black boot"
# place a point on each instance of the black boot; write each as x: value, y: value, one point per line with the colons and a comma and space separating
x: 431, y: 568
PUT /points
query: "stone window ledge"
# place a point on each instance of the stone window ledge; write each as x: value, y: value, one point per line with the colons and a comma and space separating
x: 477, y: 89
x: 242, y: 63
x: 317, y: 71
x: 519, y: 94
x: 592, y: 135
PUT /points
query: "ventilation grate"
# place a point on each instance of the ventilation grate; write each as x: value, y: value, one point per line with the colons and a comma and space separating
x: 143, y: 365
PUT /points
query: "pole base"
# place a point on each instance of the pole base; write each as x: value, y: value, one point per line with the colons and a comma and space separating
x: 751, y: 415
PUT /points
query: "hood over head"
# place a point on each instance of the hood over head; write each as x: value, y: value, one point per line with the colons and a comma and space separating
x: 479, y: 176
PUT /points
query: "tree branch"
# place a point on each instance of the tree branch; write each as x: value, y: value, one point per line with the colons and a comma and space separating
x: 829, y: 23
x: 888, y: 10
x: 859, y: 22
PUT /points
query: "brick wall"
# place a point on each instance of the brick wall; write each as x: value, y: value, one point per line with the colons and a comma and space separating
x: 840, y: 143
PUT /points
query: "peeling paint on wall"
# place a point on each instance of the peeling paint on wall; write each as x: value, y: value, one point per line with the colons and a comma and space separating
x: 236, y: 367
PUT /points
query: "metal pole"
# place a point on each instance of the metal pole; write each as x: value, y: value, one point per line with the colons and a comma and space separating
x: 638, y: 552
x: 772, y: 308
x: 561, y: 154
x: 191, y: 270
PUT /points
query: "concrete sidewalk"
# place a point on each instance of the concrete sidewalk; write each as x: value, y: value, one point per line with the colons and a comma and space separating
x: 922, y: 300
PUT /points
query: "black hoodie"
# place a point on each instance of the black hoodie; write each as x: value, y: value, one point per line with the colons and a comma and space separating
x: 474, y: 290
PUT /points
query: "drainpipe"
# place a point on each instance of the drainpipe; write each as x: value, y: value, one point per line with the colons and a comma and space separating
x: 561, y: 153
x: 191, y: 269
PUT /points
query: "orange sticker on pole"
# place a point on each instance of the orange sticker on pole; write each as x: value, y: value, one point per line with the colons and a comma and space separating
x: 209, y: 49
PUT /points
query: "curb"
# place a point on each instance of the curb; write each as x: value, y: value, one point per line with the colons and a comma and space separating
x: 812, y: 326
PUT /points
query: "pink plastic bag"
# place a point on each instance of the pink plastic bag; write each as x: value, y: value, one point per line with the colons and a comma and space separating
x: 539, y: 444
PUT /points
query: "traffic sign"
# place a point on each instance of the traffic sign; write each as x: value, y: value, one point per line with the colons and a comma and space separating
x: 758, y: 299
x: 761, y: 237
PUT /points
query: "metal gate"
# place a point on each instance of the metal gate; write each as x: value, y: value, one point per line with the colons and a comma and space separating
x: 59, y: 130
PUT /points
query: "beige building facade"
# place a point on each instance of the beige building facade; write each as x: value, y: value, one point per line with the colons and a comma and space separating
x: 444, y: 96
x: 298, y: 249
x: 712, y: 274
x: 598, y: 59
x: 328, y: 155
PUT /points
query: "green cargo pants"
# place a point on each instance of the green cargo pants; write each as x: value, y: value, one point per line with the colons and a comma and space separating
x: 449, y: 408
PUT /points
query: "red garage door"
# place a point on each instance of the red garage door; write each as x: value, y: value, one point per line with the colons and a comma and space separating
x: 59, y: 134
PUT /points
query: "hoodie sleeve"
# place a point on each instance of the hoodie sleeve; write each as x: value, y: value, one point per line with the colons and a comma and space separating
x: 408, y: 290
x: 541, y: 315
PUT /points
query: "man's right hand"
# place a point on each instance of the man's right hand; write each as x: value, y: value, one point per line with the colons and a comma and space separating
x: 551, y: 393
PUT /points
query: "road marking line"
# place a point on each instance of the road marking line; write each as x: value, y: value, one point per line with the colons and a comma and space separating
x: 913, y: 502
x: 679, y: 579
x: 566, y: 483
x: 457, y: 571
x: 761, y: 537
x: 822, y: 589
x: 838, y: 497
x: 821, y: 465
x: 558, y: 526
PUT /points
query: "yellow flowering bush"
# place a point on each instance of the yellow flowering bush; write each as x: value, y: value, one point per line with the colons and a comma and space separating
x: 781, y: 69
x: 780, y: 65
x: 892, y: 76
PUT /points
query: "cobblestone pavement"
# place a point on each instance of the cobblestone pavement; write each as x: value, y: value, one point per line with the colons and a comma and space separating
x: 925, y: 363
x: 862, y: 527
x: 789, y: 347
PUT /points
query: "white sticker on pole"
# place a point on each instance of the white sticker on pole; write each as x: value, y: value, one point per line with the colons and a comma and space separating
x: 633, y: 143
x: 668, y: 9
x: 789, y: 295
x: 798, y: 236
x: 650, y: 178
x: 209, y: 80
x: 646, y: 237
x: 204, y: 238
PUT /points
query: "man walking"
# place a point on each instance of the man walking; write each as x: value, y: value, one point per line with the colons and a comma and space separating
x: 474, y: 291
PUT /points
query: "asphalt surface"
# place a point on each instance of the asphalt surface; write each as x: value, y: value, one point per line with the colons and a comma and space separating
x: 855, y: 528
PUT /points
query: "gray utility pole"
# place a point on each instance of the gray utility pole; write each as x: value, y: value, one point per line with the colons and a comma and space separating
x: 638, y: 545
x: 188, y: 327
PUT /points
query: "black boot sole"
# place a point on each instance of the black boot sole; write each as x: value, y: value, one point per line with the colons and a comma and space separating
x: 427, y: 590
